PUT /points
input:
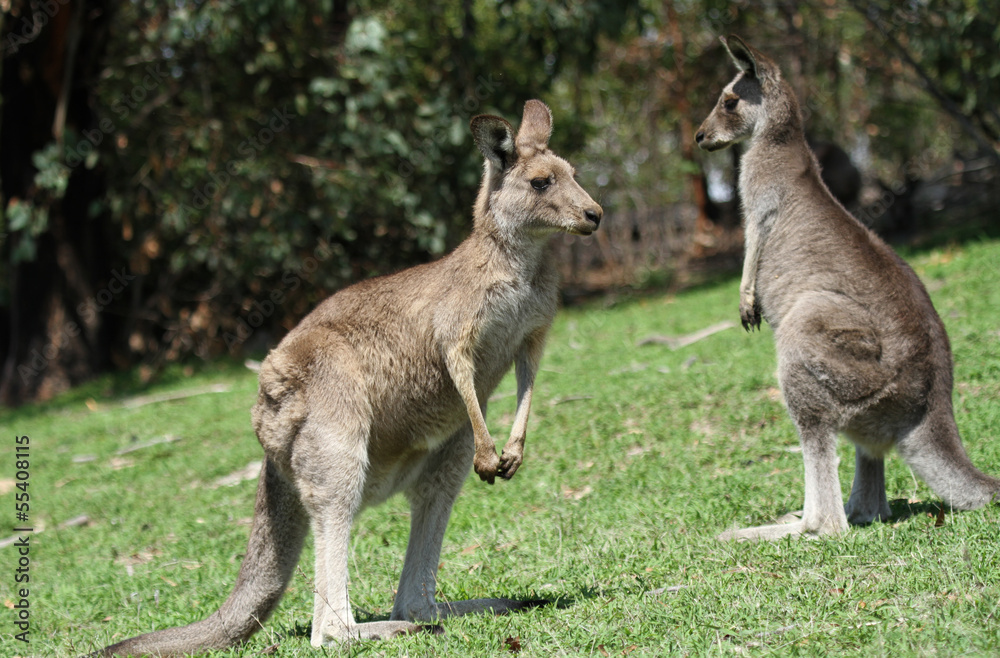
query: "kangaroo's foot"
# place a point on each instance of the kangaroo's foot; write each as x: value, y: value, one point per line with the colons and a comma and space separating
x: 790, y: 524
x: 764, y: 532
x: 863, y: 512
x: 335, y: 634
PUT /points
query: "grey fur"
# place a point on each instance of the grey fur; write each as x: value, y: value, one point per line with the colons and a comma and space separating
x: 383, y: 389
x: 861, y: 350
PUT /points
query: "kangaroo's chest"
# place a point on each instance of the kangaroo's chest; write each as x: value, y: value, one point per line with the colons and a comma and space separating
x: 512, y: 312
x: 509, y: 314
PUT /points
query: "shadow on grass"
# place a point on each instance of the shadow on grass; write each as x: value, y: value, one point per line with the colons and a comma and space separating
x: 364, y: 616
x: 903, y: 509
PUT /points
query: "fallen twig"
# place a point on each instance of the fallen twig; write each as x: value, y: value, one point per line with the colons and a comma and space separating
x: 664, y: 590
x: 166, y: 438
x: 677, y: 342
x: 569, y: 398
x: 143, y: 400
x: 249, y: 472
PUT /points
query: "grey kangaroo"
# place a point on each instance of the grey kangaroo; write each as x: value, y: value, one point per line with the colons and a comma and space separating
x: 383, y: 389
x: 860, y: 348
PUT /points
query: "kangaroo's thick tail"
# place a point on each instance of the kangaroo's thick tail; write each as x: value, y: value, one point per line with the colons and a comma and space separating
x: 279, y: 527
x: 934, y: 451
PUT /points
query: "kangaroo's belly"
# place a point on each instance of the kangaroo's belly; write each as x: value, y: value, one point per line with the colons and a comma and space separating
x: 389, y: 476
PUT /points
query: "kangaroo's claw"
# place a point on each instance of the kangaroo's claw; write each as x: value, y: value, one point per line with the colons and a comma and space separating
x: 509, y: 463
x: 750, y: 315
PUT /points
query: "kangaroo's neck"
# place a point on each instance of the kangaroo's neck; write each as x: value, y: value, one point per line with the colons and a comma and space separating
x: 520, y: 253
x: 772, y: 172
x: 774, y: 177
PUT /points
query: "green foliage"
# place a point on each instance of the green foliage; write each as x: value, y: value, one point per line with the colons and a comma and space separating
x: 27, y: 220
x: 266, y: 153
x: 636, y: 458
x: 259, y: 155
x: 962, y: 67
x: 956, y: 76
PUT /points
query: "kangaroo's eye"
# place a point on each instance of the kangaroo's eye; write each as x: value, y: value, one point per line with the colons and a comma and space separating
x: 540, y: 183
x: 730, y: 104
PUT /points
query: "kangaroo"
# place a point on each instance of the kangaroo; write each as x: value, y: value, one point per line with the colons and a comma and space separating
x: 860, y: 347
x: 383, y: 389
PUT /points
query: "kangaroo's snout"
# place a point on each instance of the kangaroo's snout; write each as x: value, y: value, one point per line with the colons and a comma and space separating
x: 709, y: 140
x: 592, y: 219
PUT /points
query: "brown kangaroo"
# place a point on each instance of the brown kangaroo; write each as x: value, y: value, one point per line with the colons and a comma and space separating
x: 383, y: 388
x: 861, y: 349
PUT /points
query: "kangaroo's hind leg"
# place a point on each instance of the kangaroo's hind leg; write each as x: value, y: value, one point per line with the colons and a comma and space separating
x: 823, y: 509
x: 431, y: 498
x: 330, y: 463
x: 868, y: 502
x: 829, y: 364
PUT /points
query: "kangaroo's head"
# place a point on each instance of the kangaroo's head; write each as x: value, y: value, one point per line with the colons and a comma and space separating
x: 526, y: 187
x: 758, y: 103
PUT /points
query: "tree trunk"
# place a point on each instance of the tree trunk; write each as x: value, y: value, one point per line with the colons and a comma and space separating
x: 54, y: 321
x: 705, y: 235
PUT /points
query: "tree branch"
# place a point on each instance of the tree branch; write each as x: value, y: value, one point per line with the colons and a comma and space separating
x: 59, y: 122
x: 929, y: 84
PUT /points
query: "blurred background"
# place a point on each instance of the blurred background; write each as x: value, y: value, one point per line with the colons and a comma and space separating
x: 185, y: 180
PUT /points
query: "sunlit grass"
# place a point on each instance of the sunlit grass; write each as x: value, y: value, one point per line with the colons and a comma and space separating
x: 636, y: 458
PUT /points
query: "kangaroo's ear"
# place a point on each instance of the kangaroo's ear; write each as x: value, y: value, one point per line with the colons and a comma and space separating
x: 536, y: 127
x: 742, y: 54
x: 495, y: 138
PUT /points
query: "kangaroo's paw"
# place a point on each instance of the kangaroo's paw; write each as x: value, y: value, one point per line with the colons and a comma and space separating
x: 487, y: 466
x: 510, y: 461
x: 749, y: 313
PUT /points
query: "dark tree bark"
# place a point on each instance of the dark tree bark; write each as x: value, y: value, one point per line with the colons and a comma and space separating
x: 50, y: 335
x: 705, y: 231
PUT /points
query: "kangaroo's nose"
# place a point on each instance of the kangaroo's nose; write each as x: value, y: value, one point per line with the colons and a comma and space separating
x: 594, y: 215
x: 700, y: 137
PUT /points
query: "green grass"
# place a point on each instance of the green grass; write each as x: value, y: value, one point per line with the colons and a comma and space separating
x: 636, y: 458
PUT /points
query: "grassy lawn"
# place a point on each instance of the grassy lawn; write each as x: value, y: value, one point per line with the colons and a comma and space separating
x: 636, y: 458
